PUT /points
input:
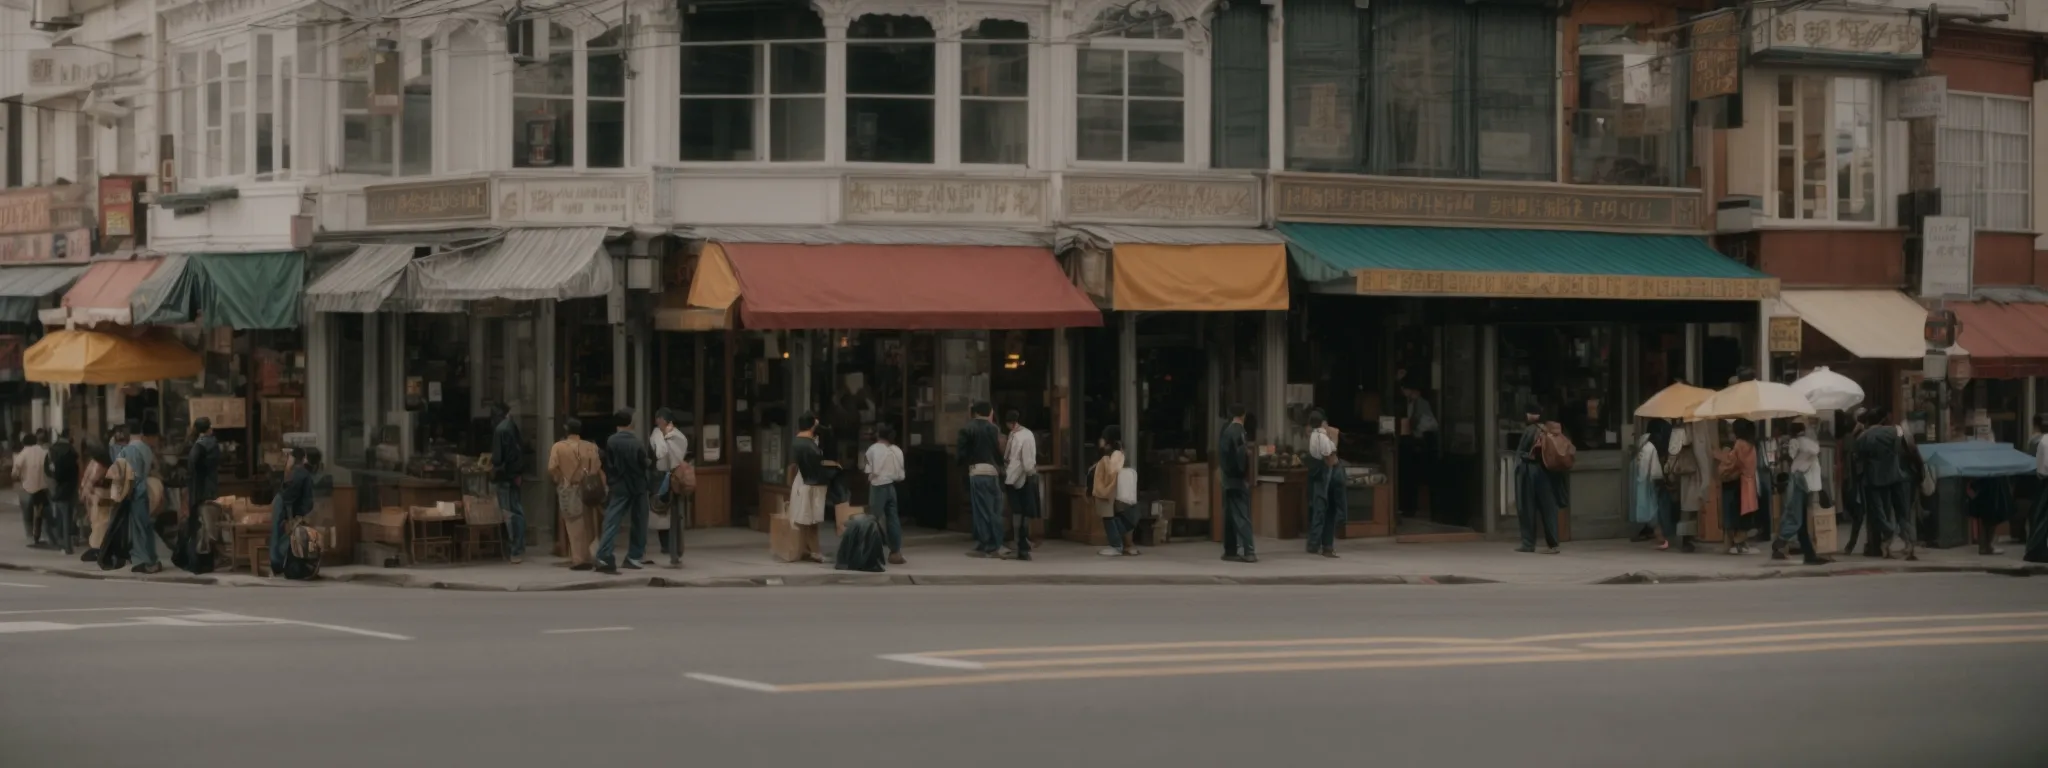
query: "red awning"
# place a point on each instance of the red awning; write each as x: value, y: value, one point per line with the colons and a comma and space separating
x: 101, y: 294
x: 2005, y: 341
x: 904, y: 287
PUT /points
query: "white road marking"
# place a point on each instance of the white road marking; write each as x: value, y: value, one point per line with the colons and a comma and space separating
x: 11, y: 627
x: 196, y: 619
x: 732, y: 682
x: 931, y: 661
x: 23, y: 586
x: 584, y: 630
x: 83, y: 610
x: 340, y: 628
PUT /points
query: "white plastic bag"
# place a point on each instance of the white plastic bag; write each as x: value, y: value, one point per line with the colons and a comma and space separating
x: 1127, y: 486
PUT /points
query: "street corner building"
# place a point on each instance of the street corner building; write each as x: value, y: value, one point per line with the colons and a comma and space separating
x: 328, y: 225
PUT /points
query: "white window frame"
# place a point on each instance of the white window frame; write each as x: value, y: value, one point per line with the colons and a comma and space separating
x: 196, y: 159
x: 579, y: 97
x: 1880, y: 205
x: 409, y: 58
x: 1978, y: 199
x: 1194, y: 85
x: 960, y: 96
x: 85, y: 128
x: 763, y: 103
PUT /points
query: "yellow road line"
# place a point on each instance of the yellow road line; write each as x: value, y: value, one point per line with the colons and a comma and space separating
x: 1229, y: 669
x: 1215, y: 644
x: 1819, y: 636
x: 1184, y: 657
x: 1776, y: 625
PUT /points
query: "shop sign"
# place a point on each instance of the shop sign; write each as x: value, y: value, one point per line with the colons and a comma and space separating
x: 25, y: 210
x: 1837, y: 35
x: 1786, y: 334
x: 75, y: 245
x: 1921, y: 97
x: 444, y: 201
x: 1716, y: 57
x: 1541, y: 285
x: 1364, y: 201
x: 68, y: 69
x: 1945, y: 256
x: 118, y: 198
x: 952, y: 201
x: 575, y: 201
x: 1162, y: 200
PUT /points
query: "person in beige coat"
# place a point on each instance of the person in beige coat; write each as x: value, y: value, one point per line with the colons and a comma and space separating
x: 570, y: 461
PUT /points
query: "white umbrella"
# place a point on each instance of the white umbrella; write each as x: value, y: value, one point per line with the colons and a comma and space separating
x: 1754, y: 400
x: 1829, y: 391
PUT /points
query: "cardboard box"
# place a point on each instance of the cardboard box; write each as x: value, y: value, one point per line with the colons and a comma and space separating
x: 1825, y: 537
x: 785, y: 542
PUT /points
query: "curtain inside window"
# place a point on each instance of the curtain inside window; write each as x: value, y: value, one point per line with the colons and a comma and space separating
x: 1325, y: 49
x: 1238, y: 99
x: 1514, y: 94
x: 1422, y: 127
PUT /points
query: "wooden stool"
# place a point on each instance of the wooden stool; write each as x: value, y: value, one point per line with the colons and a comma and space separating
x: 478, y: 539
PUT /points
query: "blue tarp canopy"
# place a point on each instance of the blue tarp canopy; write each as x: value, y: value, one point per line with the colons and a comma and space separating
x: 1975, y: 458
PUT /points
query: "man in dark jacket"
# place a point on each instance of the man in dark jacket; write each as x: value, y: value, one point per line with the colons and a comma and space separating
x: 627, y: 462
x: 1234, y: 458
x: 204, y: 458
x: 979, y: 452
x: 61, y: 465
x: 508, y: 467
x: 1883, y: 475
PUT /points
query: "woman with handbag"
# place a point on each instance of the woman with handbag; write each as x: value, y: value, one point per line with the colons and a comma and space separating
x: 1804, y: 480
x: 1736, y: 466
x: 1652, y: 488
x: 1103, y: 488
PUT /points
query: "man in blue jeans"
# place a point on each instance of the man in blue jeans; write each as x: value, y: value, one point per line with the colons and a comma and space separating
x: 1805, y: 480
x: 979, y: 454
x: 508, y: 465
x: 141, y: 528
x: 627, y: 462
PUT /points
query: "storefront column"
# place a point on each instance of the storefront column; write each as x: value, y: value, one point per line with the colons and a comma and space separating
x: 394, y: 382
x: 2027, y: 410
x: 1692, y: 356
x: 545, y: 431
x: 320, y: 380
x: 1127, y: 381
x: 1489, y: 445
x: 620, y: 390
x: 478, y: 353
x: 373, y: 349
x: 1272, y: 405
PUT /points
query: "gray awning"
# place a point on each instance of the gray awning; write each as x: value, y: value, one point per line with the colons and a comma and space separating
x: 1105, y: 236
x: 361, y: 282
x: 526, y: 265
x: 22, y: 289
x: 165, y: 297
x: 854, y: 234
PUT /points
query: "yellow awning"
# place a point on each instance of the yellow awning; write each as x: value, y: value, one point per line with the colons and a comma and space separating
x: 1874, y: 325
x: 110, y: 357
x: 1199, y: 278
x: 714, y: 286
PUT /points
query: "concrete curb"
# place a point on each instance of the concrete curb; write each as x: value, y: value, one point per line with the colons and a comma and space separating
x: 859, y: 579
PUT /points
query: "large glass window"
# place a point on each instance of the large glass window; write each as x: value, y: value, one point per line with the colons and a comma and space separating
x: 266, y: 103
x: 1131, y: 96
x: 416, y: 120
x: 1826, y: 149
x: 1983, y: 161
x: 605, y: 85
x: 753, y: 85
x: 1237, y: 103
x: 1628, y: 124
x: 995, y: 93
x: 186, y: 149
x: 544, y: 101
x: 214, y: 85
x: 369, y: 142
x: 891, y: 73
x: 1421, y: 88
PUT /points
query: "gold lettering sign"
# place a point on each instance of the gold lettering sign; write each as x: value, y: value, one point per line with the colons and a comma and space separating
x: 1543, y: 285
x: 436, y: 202
x: 1364, y: 201
x: 1785, y: 335
x: 1716, y: 69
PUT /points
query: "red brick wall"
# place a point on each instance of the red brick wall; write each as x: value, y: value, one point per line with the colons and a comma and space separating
x: 2005, y: 258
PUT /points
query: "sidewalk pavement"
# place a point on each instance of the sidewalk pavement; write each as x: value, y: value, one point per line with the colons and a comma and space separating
x: 739, y: 558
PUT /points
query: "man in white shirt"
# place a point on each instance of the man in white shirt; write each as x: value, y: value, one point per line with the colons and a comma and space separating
x: 35, y: 491
x: 671, y: 448
x: 1325, y: 487
x: 1020, y: 479
x: 884, y: 464
x: 1805, y: 480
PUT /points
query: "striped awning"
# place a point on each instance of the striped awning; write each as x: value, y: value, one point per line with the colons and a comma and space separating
x: 103, y: 293
x: 526, y: 265
x: 361, y: 282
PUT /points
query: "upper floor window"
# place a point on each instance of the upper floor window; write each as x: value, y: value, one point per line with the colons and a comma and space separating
x: 387, y: 107
x: 1131, y: 92
x: 547, y: 93
x: 995, y: 93
x: 891, y: 90
x: 753, y: 85
x: 1421, y: 88
x: 1824, y: 164
x: 1628, y: 128
x: 1238, y: 85
x: 1982, y: 161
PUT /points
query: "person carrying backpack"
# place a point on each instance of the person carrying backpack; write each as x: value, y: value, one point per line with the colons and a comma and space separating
x: 1535, y: 492
x: 579, y: 490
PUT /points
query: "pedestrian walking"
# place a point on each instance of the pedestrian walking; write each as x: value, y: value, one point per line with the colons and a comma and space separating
x: 980, y: 454
x: 32, y: 477
x: 509, y: 463
x: 626, y: 465
x: 1325, y: 486
x: 1020, y: 479
x: 884, y: 465
x: 203, y: 459
x: 578, y: 475
x: 1233, y: 456
x: 2037, y: 525
x: 1882, y: 473
x: 1652, y: 494
x: 1103, y: 487
x: 671, y: 450
x: 1535, y: 498
x: 138, y: 461
x: 1736, y: 467
x: 809, y: 488
x: 1804, y: 483
x: 61, y: 465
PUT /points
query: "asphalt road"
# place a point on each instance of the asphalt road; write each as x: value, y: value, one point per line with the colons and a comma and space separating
x: 1866, y: 671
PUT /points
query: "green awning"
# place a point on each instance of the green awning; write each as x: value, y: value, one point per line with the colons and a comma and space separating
x: 249, y: 290
x: 165, y: 297
x: 1520, y: 263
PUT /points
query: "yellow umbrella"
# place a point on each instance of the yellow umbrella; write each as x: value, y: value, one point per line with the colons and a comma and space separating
x: 1675, y: 402
x: 1754, y: 400
x: 102, y: 357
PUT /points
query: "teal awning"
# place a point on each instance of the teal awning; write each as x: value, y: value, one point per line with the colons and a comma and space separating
x: 1520, y: 263
x: 22, y: 289
x: 249, y: 290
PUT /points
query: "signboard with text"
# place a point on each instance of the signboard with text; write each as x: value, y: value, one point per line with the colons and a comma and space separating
x: 1946, y: 253
x: 433, y: 202
x: 1342, y: 200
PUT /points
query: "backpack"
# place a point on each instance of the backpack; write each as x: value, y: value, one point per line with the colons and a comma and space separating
x: 1557, y: 451
x: 682, y: 481
x: 591, y: 490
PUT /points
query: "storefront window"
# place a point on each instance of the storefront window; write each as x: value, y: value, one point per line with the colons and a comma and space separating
x: 1626, y: 130
x: 1570, y: 373
x: 353, y: 367
x: 1826, y: 136
x: 1132, y: 90
x: 435, y: 396
x: 995, y: 92
x: 510, y: 371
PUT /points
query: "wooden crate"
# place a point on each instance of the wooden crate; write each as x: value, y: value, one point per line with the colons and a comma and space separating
x: 1825, y: 536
